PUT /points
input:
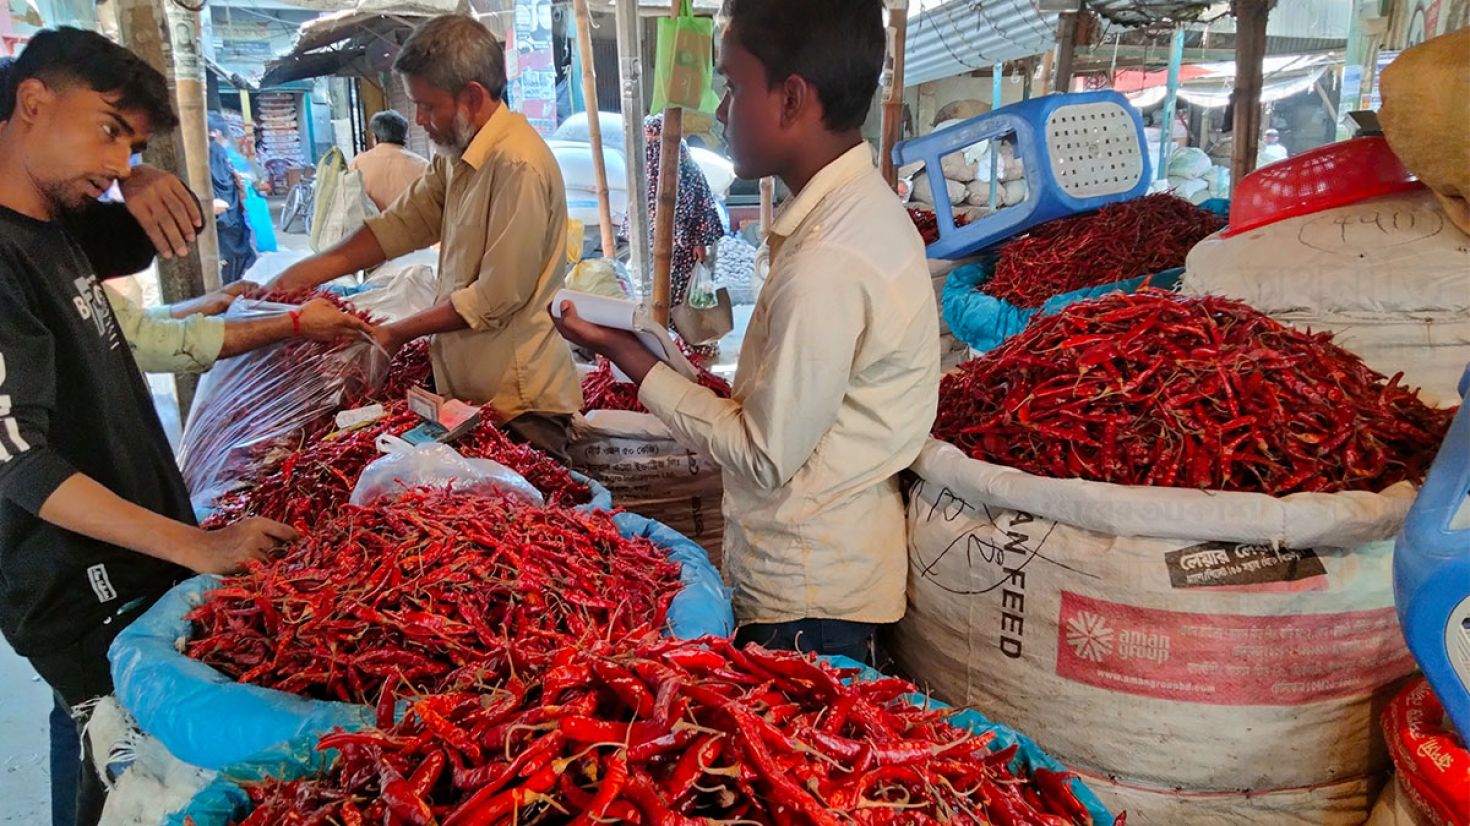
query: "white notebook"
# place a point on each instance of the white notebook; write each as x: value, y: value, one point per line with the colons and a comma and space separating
x: 633, y: 316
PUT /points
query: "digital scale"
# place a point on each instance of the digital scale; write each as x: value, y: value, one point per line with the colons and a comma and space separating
x: 1431, y: 571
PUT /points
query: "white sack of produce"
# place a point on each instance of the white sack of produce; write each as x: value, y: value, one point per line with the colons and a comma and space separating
x: 397, y: 290
x: 924, y: 191
x: 957, y: 167
x: 1187, y: 188
x: 1179, y: 641
x: 1389, y: 277
x: 652, y: 475
x: 718, y: 171
x: 1189, y: 162
x: 1015, y: 192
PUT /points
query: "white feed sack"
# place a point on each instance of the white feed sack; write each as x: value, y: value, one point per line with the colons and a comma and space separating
x: 1182, y: 643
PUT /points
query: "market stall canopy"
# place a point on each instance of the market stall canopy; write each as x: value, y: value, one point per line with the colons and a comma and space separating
x: 959, y: 36
x: 1210, y: 84
x: 370, y: 29
x: 1134, y: 13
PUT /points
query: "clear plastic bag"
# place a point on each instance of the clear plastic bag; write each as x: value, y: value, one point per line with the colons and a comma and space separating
x: 434, y: 464
x: 252, y: 406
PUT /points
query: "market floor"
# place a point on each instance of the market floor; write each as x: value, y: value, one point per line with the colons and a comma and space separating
x: 25, y: 775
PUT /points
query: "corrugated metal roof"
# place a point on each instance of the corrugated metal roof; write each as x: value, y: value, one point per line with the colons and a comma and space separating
x: 963, y: 35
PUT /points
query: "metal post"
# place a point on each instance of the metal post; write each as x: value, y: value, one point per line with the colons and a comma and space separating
x: 997, y: 78
x: 1171, y: 100
x: 630, y: 77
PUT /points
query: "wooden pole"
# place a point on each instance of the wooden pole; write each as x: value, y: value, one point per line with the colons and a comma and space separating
x: 167, y: 37
x: 594, y: 127
x: 1250, y: 55
x: 1066, y: 50
x: 1048, y: 62
x: 898, y: 25
x: 668, y: 199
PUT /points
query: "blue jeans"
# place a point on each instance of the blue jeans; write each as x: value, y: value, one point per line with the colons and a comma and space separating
x: 66, y: 756
x: 813, y: 636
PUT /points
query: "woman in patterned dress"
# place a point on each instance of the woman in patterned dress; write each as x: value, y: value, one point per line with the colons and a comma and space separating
x: 697, y: 224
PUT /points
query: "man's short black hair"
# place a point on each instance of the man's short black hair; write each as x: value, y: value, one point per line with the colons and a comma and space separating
x: 835, y: 45
x: 390, y: 127
x: 66, y: 55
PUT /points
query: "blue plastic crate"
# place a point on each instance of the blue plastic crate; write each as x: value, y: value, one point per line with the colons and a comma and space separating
x: 1431, y: 572
x: 1081, y: 152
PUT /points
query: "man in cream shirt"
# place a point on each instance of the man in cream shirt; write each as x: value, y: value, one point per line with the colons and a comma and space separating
x: 494, y: 199
x: 838, y: 380
x: 388, y: 169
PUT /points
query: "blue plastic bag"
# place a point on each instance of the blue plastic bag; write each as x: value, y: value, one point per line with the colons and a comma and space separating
x: 984, y: 322
x: 258, y: 216
x: 208, y: 720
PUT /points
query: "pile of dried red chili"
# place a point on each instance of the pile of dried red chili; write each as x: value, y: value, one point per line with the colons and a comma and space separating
x: 317, y: 478
x: 602, y: 391
x: 928, y: 225
x: 409, y: 368
x: 1118, y: 242
x: 433, y: 590
x: 1157, y: 389
x: 679, y: 733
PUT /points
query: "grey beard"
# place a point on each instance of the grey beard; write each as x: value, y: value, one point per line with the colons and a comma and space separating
x: 459, y: 137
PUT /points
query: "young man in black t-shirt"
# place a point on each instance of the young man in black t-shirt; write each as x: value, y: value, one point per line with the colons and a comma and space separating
x: 95, y: 521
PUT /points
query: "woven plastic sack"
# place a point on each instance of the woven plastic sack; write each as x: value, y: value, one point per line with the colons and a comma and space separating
x: 341, y: 204
x: 208, y: 720
x: 255, y: 403
x: 684, y: 63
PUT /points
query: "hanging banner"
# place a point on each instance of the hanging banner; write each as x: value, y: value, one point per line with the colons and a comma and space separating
x: 533, y: 88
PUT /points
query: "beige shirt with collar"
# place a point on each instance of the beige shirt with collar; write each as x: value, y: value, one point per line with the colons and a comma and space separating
x: 837, y: 389
x: 388, y: 170
x: 500, y: 213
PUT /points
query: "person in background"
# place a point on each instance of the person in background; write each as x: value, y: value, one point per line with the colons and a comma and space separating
x: 236, y: 252
x: 697, y: 224
x: 388, y: 168
x: 494, y: 197
x: 838, y: 381
x: 95, y: 520
x: 1271, y: 149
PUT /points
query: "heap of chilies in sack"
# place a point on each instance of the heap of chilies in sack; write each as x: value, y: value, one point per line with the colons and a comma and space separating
x: 1162, y: 390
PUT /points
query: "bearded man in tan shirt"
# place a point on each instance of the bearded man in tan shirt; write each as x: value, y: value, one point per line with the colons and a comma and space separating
x: 493, y: 197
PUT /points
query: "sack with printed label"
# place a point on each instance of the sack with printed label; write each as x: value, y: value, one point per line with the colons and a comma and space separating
x: 1200, y: 657
x: 649, y: 473
x: 1389, y: 277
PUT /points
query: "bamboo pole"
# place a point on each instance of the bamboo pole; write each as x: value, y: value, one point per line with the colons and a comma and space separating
x: 628, y: 25
x: 898, y: 24
x: 594, y: 127
x: 1250, y: 55
x: 668, y: 199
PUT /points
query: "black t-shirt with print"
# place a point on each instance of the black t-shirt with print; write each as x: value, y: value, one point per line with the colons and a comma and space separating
x: 73, y: 401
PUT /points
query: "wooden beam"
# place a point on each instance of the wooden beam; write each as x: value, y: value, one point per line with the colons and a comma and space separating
x: 149, y: 28
x: 668, y: 200
x: 1048, y: 69
x: 594, y: 127
x: 898, y: 25
x: 1250, y: 55
x: 1066, y: 50
x: 768, y: 204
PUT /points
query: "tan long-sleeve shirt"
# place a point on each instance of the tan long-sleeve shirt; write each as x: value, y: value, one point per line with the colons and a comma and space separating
x: 500, y: 214
x: 836, y: 391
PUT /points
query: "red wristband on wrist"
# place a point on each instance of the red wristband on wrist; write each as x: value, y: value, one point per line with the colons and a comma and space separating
x: 295, y: 322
